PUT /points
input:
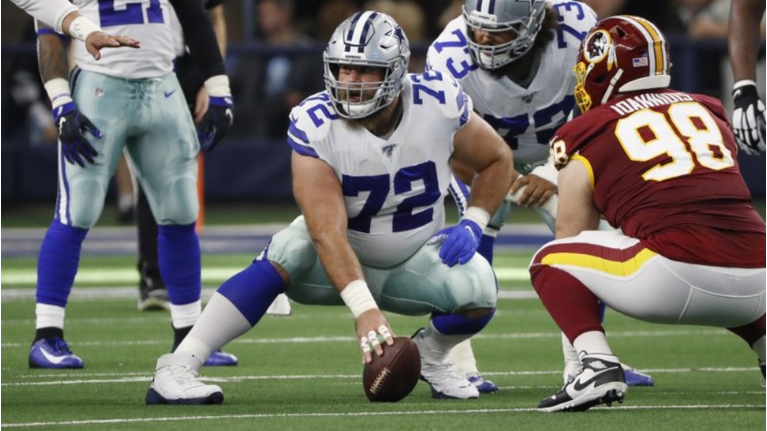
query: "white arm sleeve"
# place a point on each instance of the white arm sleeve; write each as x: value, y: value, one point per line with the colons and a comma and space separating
x: 51, y: 12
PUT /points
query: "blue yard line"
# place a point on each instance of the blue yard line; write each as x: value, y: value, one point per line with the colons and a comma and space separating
x: 222, y: 240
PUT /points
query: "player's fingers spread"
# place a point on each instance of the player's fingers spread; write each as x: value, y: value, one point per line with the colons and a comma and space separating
x: 519, y: 183
x: 92, y: 50
x: 524, y: 197
x: 365, y: 349
x: 545, y: 197
x: 386, y: 334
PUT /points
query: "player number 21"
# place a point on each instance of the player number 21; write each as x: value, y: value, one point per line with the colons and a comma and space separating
x: 706, y: 143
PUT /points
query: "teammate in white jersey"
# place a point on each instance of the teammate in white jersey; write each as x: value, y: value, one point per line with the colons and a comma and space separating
x: 371, y: 167
x: 514, y: 58
x: 134, y: 98
x: 64, y: 17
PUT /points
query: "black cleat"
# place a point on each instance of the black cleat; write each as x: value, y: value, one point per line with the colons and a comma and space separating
x: 600, y: 381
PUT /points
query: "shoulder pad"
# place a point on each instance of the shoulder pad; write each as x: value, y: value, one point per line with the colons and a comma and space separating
x: 435, y: 90
x: 449, y: 53
x: 310, y: 122
x: 575, y: 19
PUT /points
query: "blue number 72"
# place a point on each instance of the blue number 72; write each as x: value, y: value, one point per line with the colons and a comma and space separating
x: 132, y: 14
x: 379, y: 185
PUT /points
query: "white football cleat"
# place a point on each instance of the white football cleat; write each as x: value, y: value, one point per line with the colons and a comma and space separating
x: 176, y: 382
x: 280, y: 306
x: 445, y: 378
x: 600, y: 381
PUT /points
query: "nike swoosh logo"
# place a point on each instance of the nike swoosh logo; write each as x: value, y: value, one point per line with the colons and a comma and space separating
x: 53, y: 359
x: 471, y: 232
x: 578, y: 385
x: 169, y: 93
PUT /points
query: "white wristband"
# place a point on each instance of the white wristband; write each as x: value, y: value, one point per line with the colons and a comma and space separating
x: 357, y: 297
x: 743, y: 83
x: 58, y: 91
x: 218, y: 86
x: 81, y: 27
x: 477, y: 215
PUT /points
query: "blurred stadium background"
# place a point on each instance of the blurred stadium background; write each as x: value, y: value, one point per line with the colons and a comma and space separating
x: 706, y: 379
x: 274, y: 61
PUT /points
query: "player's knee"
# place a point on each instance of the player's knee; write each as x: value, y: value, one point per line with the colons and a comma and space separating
x: 179, y: 204
x: 86, y: 204
x: 473, y: 286
x: 294, y: 254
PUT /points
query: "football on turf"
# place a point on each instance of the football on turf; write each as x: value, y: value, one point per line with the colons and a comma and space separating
x: 391, y: 377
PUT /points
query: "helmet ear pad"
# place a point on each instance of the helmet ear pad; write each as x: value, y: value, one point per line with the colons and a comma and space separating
x: 367, y: 39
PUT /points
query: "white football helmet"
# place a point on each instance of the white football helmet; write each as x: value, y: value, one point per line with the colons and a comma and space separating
x: 523, y: 17
x: 369, y: 39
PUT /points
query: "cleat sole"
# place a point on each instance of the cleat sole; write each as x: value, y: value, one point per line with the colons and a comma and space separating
x: 154, y: 398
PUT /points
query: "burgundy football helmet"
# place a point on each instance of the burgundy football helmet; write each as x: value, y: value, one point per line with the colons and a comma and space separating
x: 620, y: 54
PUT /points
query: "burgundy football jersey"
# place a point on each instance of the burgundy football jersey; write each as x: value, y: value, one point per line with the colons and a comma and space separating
x: 665, y: 171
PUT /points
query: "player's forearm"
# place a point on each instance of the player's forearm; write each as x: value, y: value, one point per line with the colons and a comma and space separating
x: 744, y: 37
x: 51, y: 12
x: 218, y: 20
x: 200, y: 36
x: 492, y: 183
x: 51, y: 55
x: 338, y: 258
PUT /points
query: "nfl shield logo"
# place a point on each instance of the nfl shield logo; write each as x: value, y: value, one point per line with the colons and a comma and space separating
x: 99, y: 92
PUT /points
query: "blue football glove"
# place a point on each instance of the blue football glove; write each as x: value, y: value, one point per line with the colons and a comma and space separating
x: 460, y: 242
x: 216, y: 122
x: 72, y: 126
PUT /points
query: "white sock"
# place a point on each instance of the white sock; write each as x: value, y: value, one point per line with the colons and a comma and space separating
x: 49, y: 316
x: 463, y: 356
x: 125, y: 202
x: 185, y: 315
x: 568, y: 351
x: 221, y: 323
x: 440, y: 344
x: 759, y: 348
x: 592, y: 342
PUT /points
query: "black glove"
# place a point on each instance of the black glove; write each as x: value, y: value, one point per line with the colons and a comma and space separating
x: 72, y: 126
x: 216, y: 122
x: 748, y: 118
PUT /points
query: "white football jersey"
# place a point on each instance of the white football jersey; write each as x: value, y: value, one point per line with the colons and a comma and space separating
x: 394, y: 188
x: 525, y: 117
x: 147, y: 21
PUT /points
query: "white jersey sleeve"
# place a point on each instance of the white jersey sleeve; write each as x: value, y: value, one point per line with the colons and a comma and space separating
x: 525, y: 117
x: 51, y: 12
x: 147, y: 21
x: 393, y: 188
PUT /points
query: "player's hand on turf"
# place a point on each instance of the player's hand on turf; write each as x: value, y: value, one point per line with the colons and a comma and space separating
x: 98, y: 39
x: 748, y: 120
x: 216, y: 122
x: 372, y: 330
x: 536, y: 190
x: 459, y: 242
x: 73, y: 125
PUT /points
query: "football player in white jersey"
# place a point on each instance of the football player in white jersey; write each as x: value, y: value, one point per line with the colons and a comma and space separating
x: 64, y: 17
x: 127, y: 100
x: 514, y: 58
x: 371, y: 167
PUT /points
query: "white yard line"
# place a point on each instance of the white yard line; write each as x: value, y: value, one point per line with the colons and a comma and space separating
x: 346, y: 339
x: 78, y: 378
x: 356, y: 414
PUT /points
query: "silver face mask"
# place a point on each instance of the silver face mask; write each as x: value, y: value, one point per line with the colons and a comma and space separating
x: 523, y: 18
x: 369, y: 39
